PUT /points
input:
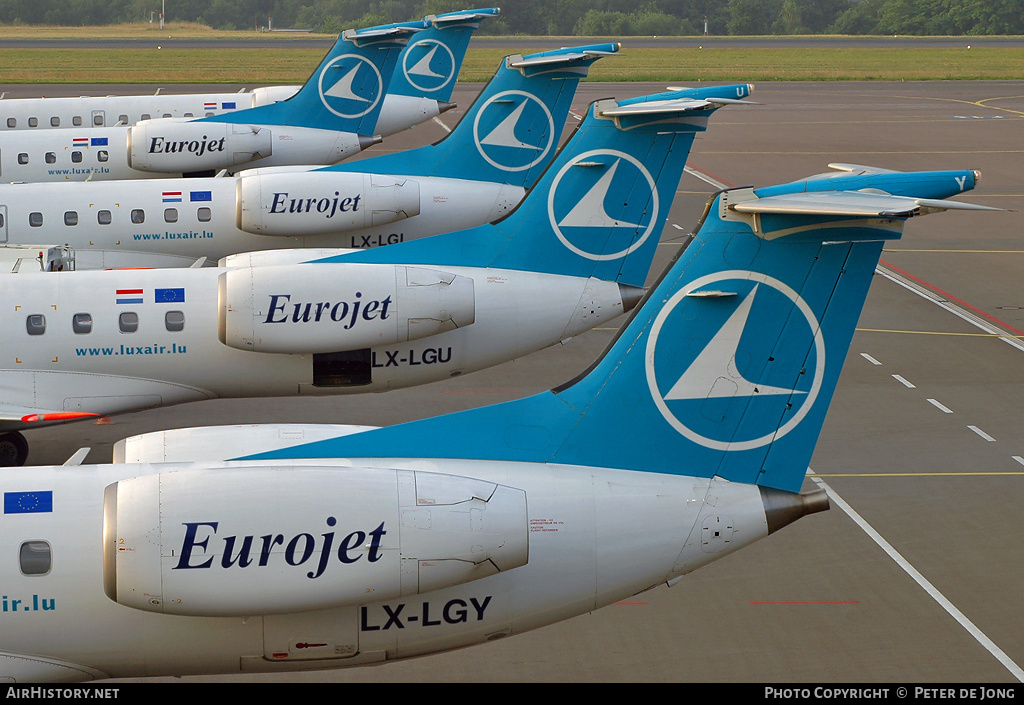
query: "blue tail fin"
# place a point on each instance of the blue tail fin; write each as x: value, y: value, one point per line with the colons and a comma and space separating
x: 728, y: 366
x: 510, y: 133
x: 597, y: 211
x: 347, y: 90
x: 430, y: 63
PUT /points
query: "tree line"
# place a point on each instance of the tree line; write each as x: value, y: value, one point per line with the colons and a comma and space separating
x: 559, y: 17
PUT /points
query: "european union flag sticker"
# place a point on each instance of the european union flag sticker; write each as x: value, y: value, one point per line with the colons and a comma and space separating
x: 28, y: 502
x: 170, y: 296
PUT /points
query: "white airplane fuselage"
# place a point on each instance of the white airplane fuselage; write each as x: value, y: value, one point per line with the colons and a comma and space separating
x: 201, y: 217
x: 66, y: 156
x: 99, y: 342
x: 107, y: 111
x: 586, y: 538
x: 105, y: 153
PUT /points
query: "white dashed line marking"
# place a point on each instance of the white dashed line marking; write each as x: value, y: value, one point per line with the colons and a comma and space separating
x: 904, y: 382
x: 944, y: 409
x: 870, y: 359
x: 982, y: 433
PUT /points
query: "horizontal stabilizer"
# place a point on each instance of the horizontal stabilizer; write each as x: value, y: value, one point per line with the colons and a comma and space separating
x: 398, y: 32
x: 859, y: 168
x: 547, y: 59
x: 454, y: 18
x: 664, y: 107
x: 852, y: 204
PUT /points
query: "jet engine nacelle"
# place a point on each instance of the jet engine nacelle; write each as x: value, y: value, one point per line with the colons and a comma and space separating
x: 172, y: 146
x: 331, y: 307
x: 273, y: 540
x: 265, y: 95
x: 319, y: 202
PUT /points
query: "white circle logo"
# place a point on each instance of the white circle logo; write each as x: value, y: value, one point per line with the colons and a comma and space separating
x: 347, y: 89
x: 432, y: 65
x: 582, y: 202
x: 715, y: 377
x: 514, y: 130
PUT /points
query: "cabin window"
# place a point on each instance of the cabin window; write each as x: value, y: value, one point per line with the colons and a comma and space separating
x: 167, y: 115
x: 101, y: 156
x: 35, y: 324
x: 128, y: 322
x: 97, y: 119
x: 35, y: 220
x: 189, y: 115
x: 81, y: 323
x: 70, y: 217
x: 23, y: 158
x: 209, y: 114
x: 55, y: 122
x: 145, y: 116
x: 33, y: 122
x: 76, y: 157
x: 174, y: 321
x: 103, y: 217
x: 204, y: 214
x: 170, y: 215
x: 138, y: 216
x: 76, y: 121
x: 34, y: 558
x: 123, y: 119
x: 12, y: 122
x: 1, y: 221
x: 51, y: 157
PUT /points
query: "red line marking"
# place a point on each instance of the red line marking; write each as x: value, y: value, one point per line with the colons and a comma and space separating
x: 710, y: 175
x: 953, y: 298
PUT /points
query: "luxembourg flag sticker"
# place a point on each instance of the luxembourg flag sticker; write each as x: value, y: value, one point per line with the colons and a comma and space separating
x: 172, y: 196
x: 129, y: 296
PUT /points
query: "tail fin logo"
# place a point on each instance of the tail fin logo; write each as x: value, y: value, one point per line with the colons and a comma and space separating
x: 428, y: 65
x: 757, y: 377
x: 604, y: 190
x: 350, y: 86
x: 514, y: 131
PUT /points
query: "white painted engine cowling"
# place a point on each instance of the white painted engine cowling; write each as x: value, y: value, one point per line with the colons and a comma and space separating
x: 265, y: 95
x: 336, y: 306
x: 172, y: 146
x: 265, y: 540
x: 319, y: 202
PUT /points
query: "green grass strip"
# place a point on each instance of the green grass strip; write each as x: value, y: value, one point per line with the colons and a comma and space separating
x: 274, y: 65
